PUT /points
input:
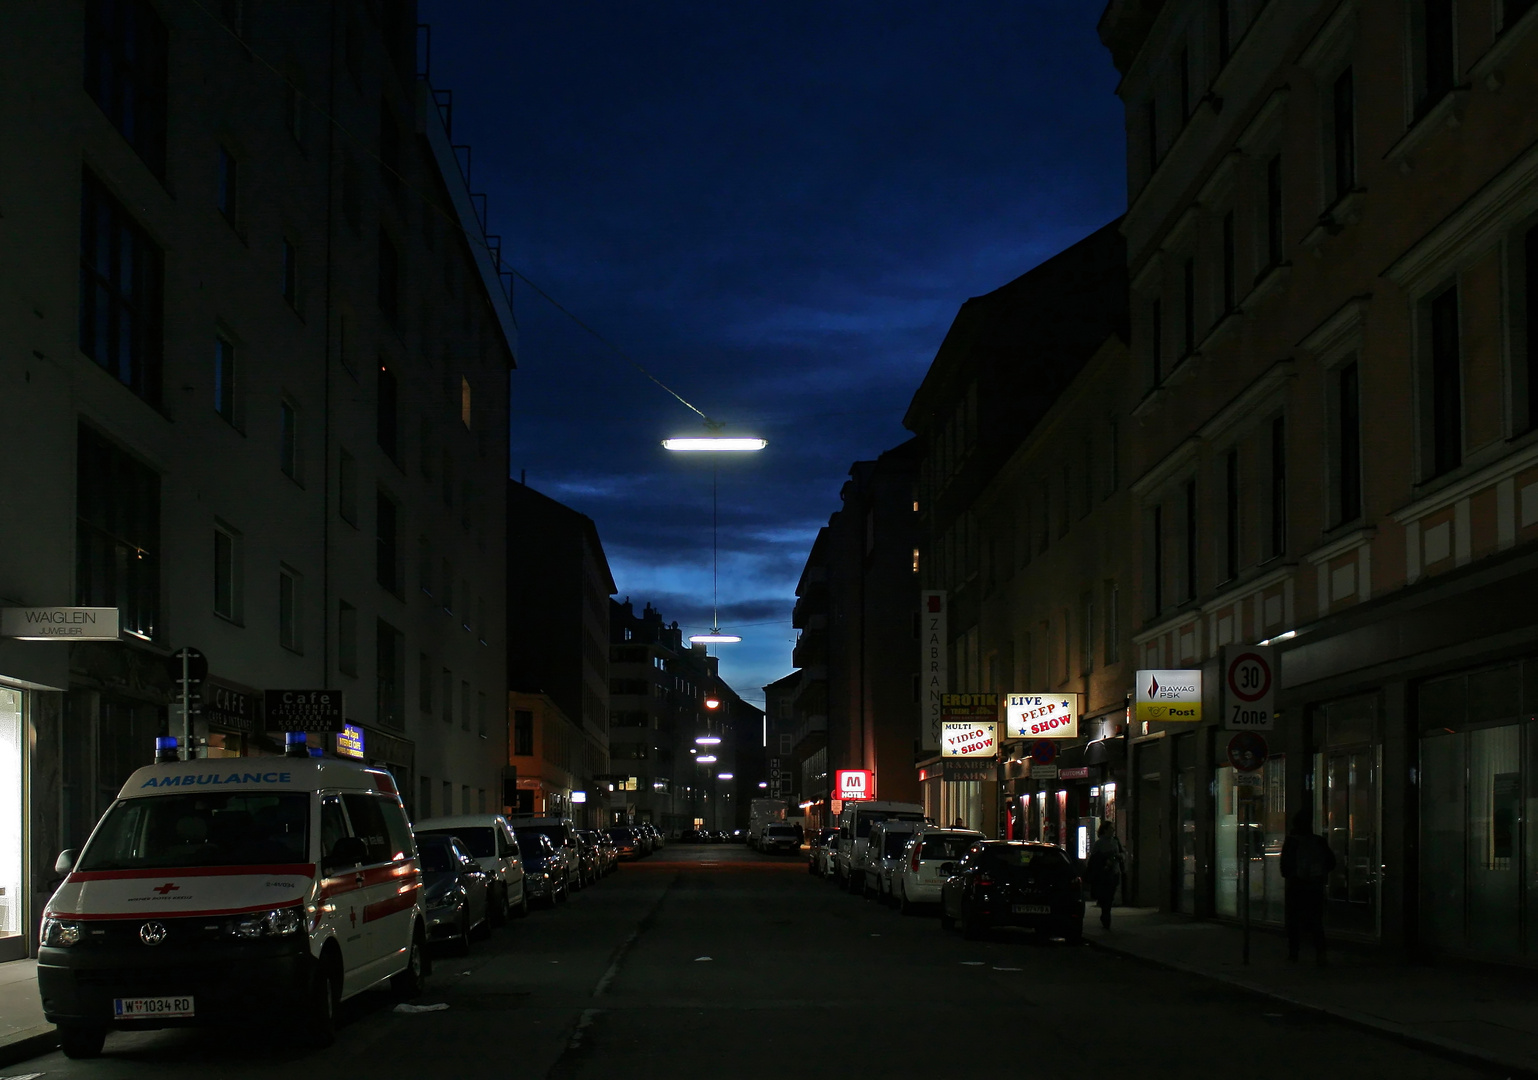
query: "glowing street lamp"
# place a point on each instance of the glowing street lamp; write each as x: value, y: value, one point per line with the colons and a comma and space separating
x: 715, y: 444
x: 715, y: 637
x: 711, y: 701
x: 706, y: 759
x: 708, y: 740
x: 725, y: 776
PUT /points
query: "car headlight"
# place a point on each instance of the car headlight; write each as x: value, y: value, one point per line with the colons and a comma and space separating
x: 279, y: 922
x: 59, y: 933
x: 446, y: 899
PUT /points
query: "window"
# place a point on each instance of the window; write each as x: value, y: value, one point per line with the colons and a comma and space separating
x: 447, y: 586
x: 448, y: 797
x: 347, y: 488
x: 425, y: 684
x: 1343, y: 133
x: 1112, y: 623
x: 1223, y: 17
x: 424, y: 808
x: 1046, y: 516
x: 288, y: 609
x: 125, y: 73
x: 464, y: 402
x: 117, y: 533
x: 1063, y: 518
x: 1151, y: 132
x: 425, y: 448
x: 425, y: 565
x: 1274, y: 243
x: 121, y: 281
x: 288, y: 439
x: 464, y: 705
x: 1156, y: 562
x: 464, y: 799
x: 1230, y: 265
x: 387, y: 545
x: 480, y: 713
x: 1278, y: 487
x: 346, y: 638
x: 224, y: 379
x: 1156, y: 339
x: 227, y: 193
x: 1436, y: 56
x: 446, y: 686
x: 1186, y: 105
x: 1113, y: 454
x: 1231, y: 515
x: 352, y: 196
x: 387, y: 412
x: 389, y: 149
x: 1188, y: 307
x: 1192, y: 539
x: 227, y: 573
x: 290, y: 274
x: 389, y: 278
x: 448, y: 478
x: 293, y: 112
x: 389, y: 673
x: 1446, y: 383
x: 1087, y: 633
x: 1348, y: 445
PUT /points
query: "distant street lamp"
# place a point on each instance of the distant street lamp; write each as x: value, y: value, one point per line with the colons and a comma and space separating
x: 712, y: 702
x: 708, y: 740
x: 763, y: 783
x: 725, y: 776
x: 718, y: 444
x: 705, y: 759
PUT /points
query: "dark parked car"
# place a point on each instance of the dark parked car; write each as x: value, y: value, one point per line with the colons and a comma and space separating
x: 456, y: 888
x: 626, y: 840
x: 820, y: 838
x: 545, y: 871
x: 694, y: 836
x: 779, y: 839
x: 1014, y: 883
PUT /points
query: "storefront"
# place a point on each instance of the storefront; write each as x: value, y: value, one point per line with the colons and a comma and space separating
x: 1346, y: 741
x: 15, y: 923
x: 1250, y: 827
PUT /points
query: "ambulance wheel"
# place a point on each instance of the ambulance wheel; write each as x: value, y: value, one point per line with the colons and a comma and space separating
x: 412, y: 980
x: 81, y: 1040
x: 320, y: 1008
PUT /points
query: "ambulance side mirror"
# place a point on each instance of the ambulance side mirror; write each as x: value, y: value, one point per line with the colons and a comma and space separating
x: 65, y: 862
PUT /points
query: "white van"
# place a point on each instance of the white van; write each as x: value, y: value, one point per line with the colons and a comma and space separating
x: 854, y: 823
x: 224, y: 889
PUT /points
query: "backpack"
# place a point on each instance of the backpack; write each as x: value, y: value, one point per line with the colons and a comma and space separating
x: 1314, y: 860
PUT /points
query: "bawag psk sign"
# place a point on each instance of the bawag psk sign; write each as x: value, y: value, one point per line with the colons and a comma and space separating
x: 1169, y: 696
x: 972, y: 739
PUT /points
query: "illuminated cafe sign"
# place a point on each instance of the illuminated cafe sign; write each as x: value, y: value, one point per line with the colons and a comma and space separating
x: 349, y: 742
x: 59, y: 623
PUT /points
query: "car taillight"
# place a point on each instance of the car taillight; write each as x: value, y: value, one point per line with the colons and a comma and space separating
x: 984, y: 882
x: 915, y: 862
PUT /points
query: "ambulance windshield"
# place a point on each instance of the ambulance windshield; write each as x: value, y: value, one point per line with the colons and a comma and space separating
x: 201, y: 829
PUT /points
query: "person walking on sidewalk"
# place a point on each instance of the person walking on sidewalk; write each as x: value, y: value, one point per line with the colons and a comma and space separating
x: 1306, y: 865
x: 1105, y: 870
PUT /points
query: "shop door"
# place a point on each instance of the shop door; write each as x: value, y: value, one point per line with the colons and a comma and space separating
x: 1350, y: 822
x: 1151, y: 846
x: 13, y: 762
x: 1185, y: 800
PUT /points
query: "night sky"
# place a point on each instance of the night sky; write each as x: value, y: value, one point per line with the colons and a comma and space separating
x: 776, y: 208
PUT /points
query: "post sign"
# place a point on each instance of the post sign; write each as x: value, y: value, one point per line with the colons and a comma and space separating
x: 1169, y: 696
x: 855, y: 785
x: 1249, y: 687
x: 59, y: 623
x: 934, y: 654
x: 1041, y: 716
x: 349, y: 741
x: 303, y: 710
x: 969, y: 739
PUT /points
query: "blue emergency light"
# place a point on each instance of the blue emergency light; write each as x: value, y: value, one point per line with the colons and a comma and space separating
x: 165, y: 749
x: 296, y: 744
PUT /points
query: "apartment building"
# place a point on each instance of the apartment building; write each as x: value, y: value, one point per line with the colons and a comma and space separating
x: 256, y: 361
x: 1332, y: 235
x: 556, y: 761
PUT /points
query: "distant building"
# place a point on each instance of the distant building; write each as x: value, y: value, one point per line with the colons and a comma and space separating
x: 557, y: 760
x: 255, y: 387
x: 779, y: 765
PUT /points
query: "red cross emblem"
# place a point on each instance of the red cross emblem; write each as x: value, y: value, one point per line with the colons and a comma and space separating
x: 168, y: 887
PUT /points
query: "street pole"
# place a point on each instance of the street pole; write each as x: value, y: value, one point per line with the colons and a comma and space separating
x: 187, y: 704
x: 1244, y: 855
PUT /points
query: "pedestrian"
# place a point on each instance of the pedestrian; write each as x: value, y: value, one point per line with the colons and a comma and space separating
x: 1105, y: 870
x: 1306, y: 865
x: 959, y: 824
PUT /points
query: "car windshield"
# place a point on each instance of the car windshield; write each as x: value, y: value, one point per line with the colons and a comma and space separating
x: 529, y: 846
x: 946, y: 847
x: 1034, y: 858
x: 620, y: 834
x: 436, y: 857
x: 478, y: 841
x: 201, y: 829
x: 557, y: 833
x: 780, y: 830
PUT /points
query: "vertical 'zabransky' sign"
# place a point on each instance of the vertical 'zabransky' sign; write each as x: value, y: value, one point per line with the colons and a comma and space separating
x: 935, y: 657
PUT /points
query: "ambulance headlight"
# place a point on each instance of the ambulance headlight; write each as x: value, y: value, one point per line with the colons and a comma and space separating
x: 59, y: 933
x: 280, y: 922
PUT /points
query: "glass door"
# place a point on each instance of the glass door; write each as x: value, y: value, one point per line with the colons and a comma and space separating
x: 13, y: 892
x: 1185, y: 800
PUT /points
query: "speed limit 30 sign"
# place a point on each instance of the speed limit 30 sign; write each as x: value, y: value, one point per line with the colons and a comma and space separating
x: 1249, y: 687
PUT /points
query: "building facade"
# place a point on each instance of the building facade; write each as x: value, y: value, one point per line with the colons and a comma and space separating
x: 556, y: 761
x: 256, y: 362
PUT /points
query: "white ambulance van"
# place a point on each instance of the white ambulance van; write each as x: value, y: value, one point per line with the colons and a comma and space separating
x: 222, y: 889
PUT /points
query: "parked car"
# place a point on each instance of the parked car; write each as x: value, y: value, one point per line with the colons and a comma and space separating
x: 919, y: 875
x: 610, y: 850
x: 1014, y: 883
x: 561, y: 830
x: 854, y: 823
x: 546, y: 871
x: 603, y: 854
x: 817, y: 851
x: 883, y: 855
x: 489, y: 839
x: 456, y: 889
x: 626, y: 841
x: 779, y: 839
x: 658, y: 840
x: 738, y: 836
x: 589, y: 860
x: 694, y: 836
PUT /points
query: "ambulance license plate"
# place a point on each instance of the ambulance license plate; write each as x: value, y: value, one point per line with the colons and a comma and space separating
x: 151, y: 1008
x: 1033, y: 909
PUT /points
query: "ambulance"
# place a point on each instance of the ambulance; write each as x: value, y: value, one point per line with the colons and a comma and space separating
x: 228, y: 888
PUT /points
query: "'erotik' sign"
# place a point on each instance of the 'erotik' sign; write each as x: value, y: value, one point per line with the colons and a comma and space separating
x: 1169, y: 696
x: 969, y: 739
x: 855, y: 785
x: 303, y: 710
x: 1041, y: 716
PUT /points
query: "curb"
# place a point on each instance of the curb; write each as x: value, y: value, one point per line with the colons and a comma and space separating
x: 1399, y: 1032
x: 28, y: 1043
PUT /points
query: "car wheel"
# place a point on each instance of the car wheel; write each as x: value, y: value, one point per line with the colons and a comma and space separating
x: 462, y: 940
x: 410, y: 981
x: 320, y: 1009
x: 81, y: 1040
x: 523, y: 905
x: 904, y: 905
x: 499, y: 908
x: 946, y: 921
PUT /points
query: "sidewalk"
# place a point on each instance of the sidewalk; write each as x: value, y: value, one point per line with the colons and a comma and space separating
x: 23, y: 1032
x: 1486, y: 1013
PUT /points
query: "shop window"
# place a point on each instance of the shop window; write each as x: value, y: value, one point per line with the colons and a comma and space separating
x: 117, y: 534
x: 13, y: 815
x: 1346, y: 768
x: 125, y: 73
x: 1251, y: 828
x: 121, y: 283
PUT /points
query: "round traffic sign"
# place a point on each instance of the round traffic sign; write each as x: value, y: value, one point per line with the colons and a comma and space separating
x: 1249, y: 676
x: 1247, y: 751
x: 1044, y: 751
x: 197, y: 665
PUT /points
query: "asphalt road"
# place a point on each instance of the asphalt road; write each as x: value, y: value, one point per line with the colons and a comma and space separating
x: 715, y: 961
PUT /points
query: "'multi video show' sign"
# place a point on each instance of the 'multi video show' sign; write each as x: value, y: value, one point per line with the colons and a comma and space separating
x: 969, y: 739
x: 1167, y: 696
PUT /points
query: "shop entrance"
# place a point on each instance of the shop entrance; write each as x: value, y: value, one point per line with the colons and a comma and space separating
x: 1151, y: 850
x: 1346, y: 809
x: 1185, y: 804
x: 14, y: 923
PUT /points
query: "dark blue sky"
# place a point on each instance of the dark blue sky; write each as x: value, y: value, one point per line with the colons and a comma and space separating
x: 777, y: 208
